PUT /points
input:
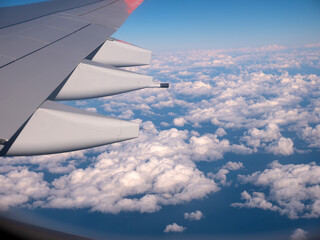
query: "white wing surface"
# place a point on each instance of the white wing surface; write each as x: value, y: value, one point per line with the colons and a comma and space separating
x: 62, y: 50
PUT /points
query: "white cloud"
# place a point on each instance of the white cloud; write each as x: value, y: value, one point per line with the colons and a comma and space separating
x: 220, y: 132
x: 299, y: 234
x: 54, y: 163
x: 157, y: 166
x: 312, y: 45
x: 246, y: 97
x: 164, y: 124
x: 256, y: 200
x: 221, y: 175
x: 194, y: 216
x: 254, y: 100
x: 311, y: 135
x: 195, y: 89
x: 294, y: 190
x: 233, y: 165
x: 271, y: 48
x: 254, y: 135
x: 180, y: 122
x: 174, y: 228
x: 126, y: 114
x: 164, y: 104
x: 283, y: 147
x: 209, y: 148
x: 81, y: 103
x: 139, y: 175
x: 21, y: 186
x: 258, y: 138
x: 91, y: 109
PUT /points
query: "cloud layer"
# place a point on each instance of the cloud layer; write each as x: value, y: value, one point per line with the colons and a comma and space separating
x: 292, y: 190
x: 242, y: 101
x: 140, y: 175
x: 256, y: 91
x: 18, y: 187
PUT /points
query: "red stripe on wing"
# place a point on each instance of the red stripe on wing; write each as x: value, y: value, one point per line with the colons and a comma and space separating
x: 132, y: 5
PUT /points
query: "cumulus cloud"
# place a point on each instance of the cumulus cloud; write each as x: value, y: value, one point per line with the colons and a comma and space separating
x: 127, y: 114
x: 54, y: 163
x: 180, y: 122
x: 274, y: 47
x: 282, y: 147
x: 256, y: 200
x: 311, y: 135
x: 164, y: 124
x: 209, y: 148
x: 21, y: 186
x: 194, y: 216
x: 233, y: 165
x: 299, y: 234
x: 142, y: 175
x: 194, y: 89
x: 258, y: 138
x: 91, y: 109
x: 220, y: 132
x: 81, y: 103
x: 293, y: 190
x: 221, y: 175
x: 174, y: 228
x: 252, y: 100
x: 255, y: 137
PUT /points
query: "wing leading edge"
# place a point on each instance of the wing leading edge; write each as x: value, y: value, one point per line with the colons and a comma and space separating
x: 67, y: 54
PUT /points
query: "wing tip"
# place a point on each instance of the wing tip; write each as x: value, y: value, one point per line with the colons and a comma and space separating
x: 132, y: 5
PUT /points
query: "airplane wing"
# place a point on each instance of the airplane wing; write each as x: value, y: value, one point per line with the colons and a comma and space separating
x: 61, y: 50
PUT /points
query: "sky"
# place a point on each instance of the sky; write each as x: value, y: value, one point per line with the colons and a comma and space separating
x: 188, y: 24
x: 229, y: 151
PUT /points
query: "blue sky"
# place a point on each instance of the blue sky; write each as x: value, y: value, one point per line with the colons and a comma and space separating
x: 229, y: 151
x: 186, y: 24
